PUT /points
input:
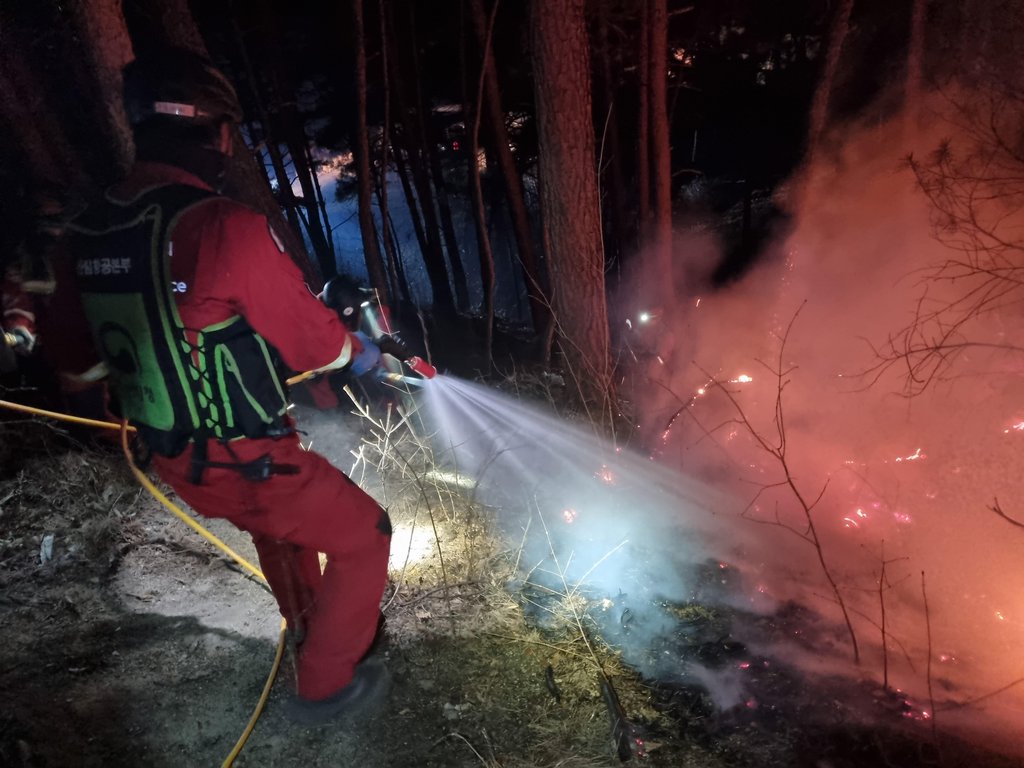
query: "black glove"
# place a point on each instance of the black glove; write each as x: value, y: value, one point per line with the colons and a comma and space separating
x: 392, y: 345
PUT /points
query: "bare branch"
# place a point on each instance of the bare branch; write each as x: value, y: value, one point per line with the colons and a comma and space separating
x: 999, y: 511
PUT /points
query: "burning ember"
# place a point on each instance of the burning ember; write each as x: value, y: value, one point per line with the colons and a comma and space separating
x: 912, y: 457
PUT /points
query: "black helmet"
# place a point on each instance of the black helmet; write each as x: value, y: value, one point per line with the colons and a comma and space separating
x: 178, y: 83
x: 345, y: 297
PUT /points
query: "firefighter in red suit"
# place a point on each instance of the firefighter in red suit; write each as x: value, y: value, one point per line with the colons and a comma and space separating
x: 196, y: 309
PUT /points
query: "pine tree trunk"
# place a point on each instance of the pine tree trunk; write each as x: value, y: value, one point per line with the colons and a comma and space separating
x: 661, y: 163
x: 299, y: 151
x: 284, y: 188
x: 823, y: 94
x: 325, y: 220
x: 102, y: 29
x: 643, y: 130
x: 487, y: 277
x: 536, y: 280
x: 432, y: 166
x: 367, y: 227
x: 614, y: 185
x: 411, y: 203
x: 29, y: 120
x: 914, y: 90
x: 433, y: 255
x: 399, y: 285
x: 569, y: 197
x: 284, y: 183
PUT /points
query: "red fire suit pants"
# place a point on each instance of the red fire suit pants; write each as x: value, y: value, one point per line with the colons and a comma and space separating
x: 292, y: 517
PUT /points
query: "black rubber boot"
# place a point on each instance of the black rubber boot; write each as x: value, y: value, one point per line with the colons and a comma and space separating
x: 364, y: 695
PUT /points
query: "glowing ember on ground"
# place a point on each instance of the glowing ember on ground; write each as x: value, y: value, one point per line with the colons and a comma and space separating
x: 912, y: 711
x: 606, y: 476
x: 912, y: 457
x: 852, y: 520
x: 741, y: 379
x: 1018, y: 427
x: 569, y: 515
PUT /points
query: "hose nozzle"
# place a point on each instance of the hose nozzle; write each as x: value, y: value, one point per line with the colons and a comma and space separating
x: 422, y: 367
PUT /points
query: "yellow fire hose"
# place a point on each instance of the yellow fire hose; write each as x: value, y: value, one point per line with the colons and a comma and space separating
x: 146, y: 483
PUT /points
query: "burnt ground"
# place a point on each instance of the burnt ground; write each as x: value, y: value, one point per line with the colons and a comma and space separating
x: 134, y: 642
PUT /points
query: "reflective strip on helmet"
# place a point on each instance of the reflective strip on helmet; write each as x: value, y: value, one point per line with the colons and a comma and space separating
x: 177, y: 109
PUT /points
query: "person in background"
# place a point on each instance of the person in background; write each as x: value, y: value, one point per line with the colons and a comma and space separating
x: 197, y: 311
x: 27, y: 276
x: 27, y: 301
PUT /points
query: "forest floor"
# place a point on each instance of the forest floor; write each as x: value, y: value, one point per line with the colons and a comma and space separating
x: 127, y: 639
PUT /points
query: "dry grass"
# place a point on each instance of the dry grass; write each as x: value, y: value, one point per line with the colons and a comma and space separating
x: 471, y: 586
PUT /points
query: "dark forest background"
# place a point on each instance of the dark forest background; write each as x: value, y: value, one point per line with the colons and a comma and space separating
x: 576, y: 136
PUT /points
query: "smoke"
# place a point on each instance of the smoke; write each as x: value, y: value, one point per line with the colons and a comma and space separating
x: 898, y: 488
x: 907, y: 482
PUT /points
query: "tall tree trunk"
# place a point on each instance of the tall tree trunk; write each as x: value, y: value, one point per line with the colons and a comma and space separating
x: 569, y: 197
x: 108, y: 47
x: 818, y: 119
x: 614, y: 183
x: 433, y: 256
x: 284, y: 187
x: 432, y: 164
x: 661, y: 163
x: 371, y: 251
x: 451, y: 242
x: 914, y: 89
x: 284, y: 183
x: 411, y: 203
x: 299, y: 150
x: 536, y: 280
x: 28, y: 119
x: 643, y: 131
x: 322, y: 205
x: 487, y: 277
x: 399, y: 286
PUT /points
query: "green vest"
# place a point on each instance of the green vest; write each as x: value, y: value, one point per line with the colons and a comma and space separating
x: 223, y: 386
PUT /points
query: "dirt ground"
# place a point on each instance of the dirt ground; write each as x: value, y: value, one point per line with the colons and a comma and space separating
x: 132, y: 641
